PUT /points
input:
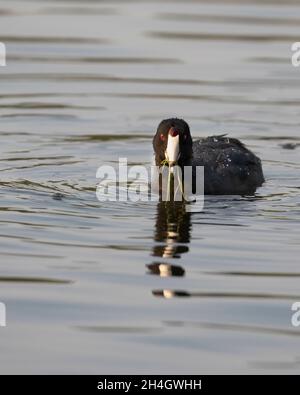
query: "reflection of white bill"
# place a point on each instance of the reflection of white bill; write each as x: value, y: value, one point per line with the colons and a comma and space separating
x: 2, y: 314
x: 2, y: 55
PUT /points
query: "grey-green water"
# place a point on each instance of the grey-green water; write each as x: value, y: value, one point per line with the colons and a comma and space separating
x: 86, y: 83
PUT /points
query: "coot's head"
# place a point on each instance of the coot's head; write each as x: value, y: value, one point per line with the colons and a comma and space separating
x: 172, y: 142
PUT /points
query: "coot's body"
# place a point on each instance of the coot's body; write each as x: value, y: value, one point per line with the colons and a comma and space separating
x: 229, y: 167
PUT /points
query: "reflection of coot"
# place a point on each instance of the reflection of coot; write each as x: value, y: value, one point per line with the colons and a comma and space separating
x: 229, y: 167
x: 166, y: 270
x: 168, y: 293
x: 173, y: 225
x: 172, y: 232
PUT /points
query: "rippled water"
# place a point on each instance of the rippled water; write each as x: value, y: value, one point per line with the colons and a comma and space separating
x: 96, y: 287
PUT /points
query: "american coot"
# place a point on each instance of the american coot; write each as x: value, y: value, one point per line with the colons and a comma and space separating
x: 229, y: 167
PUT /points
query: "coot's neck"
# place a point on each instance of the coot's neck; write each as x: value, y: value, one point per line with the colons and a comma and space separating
x: 184, y: 162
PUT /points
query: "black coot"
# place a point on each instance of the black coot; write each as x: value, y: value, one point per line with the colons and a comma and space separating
x: 229, y: 167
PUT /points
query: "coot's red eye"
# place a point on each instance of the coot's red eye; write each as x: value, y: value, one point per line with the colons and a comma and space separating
x: 162, y: 137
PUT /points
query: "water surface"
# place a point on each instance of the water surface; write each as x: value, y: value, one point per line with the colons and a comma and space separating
x: 95, y: 287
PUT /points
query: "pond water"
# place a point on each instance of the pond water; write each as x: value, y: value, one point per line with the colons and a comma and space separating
x: 120, y: 287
